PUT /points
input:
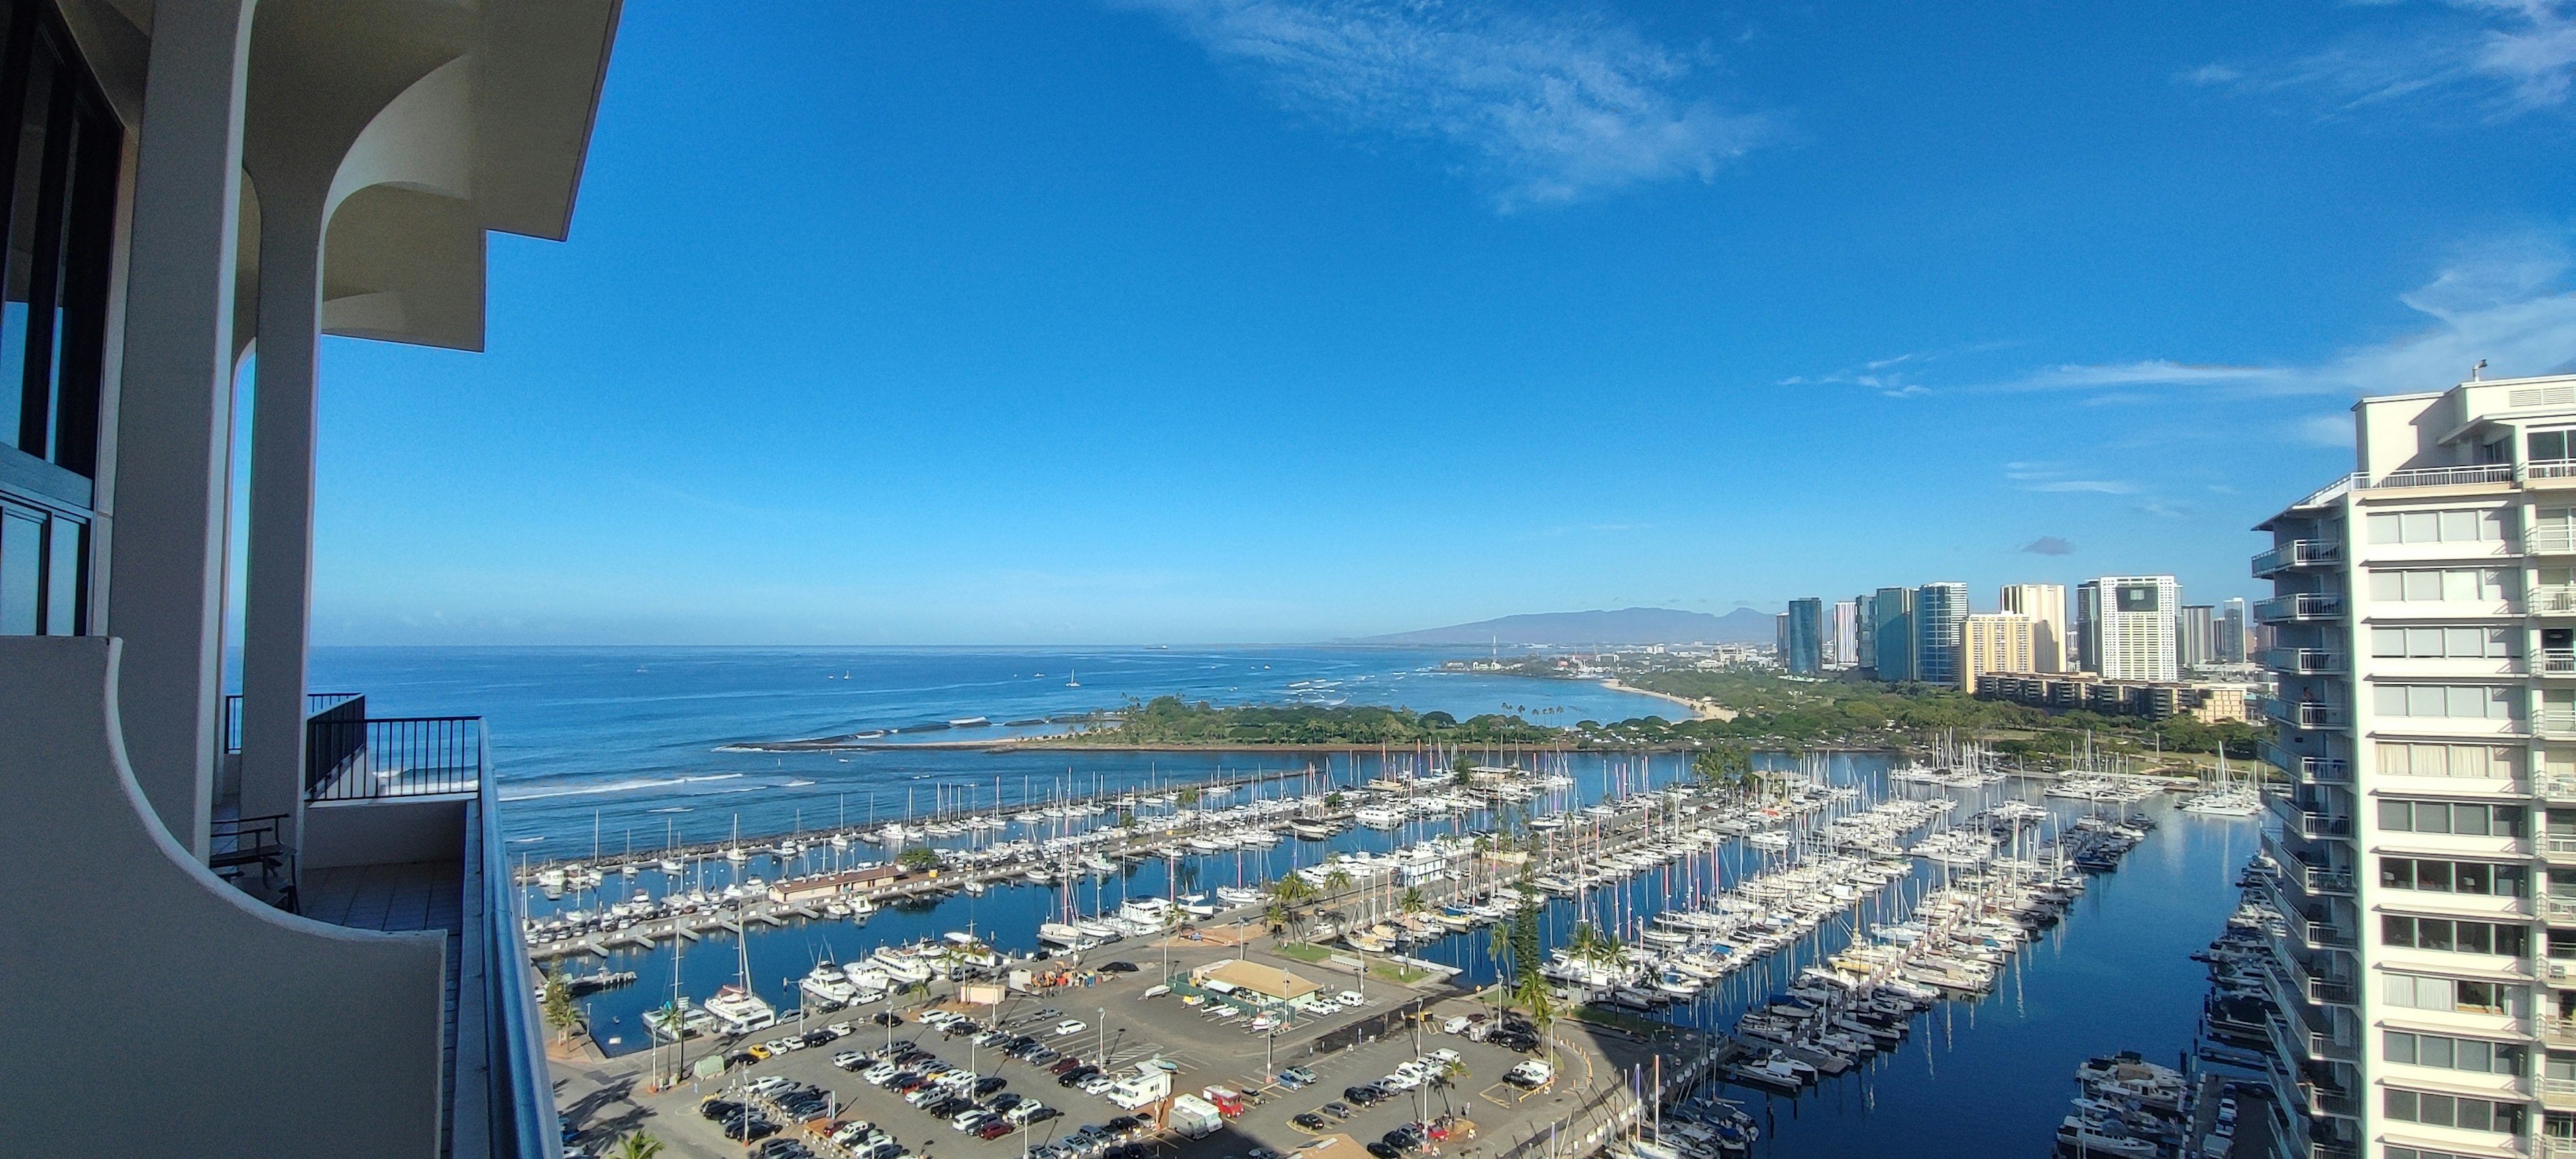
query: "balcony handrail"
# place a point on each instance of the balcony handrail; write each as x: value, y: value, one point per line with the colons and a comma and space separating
x: 2309, y: 714
x: 524, y: 1124
x: 2305, y: 661
x: 2300, y: 605
x: 397, y: 756
x: 2444, y: 476
x: 2554, y: 720
x: 2558, y: 660
x: 315, y: 704
x: 2328, y: 770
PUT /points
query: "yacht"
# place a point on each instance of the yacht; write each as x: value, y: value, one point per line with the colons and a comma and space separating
x: 739, y: 1011
x: 826, y: 984
x: 687, y: 1021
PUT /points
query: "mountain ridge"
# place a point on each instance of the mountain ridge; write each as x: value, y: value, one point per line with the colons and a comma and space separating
x: 1637, y: 625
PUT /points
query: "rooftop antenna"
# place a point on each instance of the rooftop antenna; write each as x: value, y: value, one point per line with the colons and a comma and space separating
x: 2477, y: 372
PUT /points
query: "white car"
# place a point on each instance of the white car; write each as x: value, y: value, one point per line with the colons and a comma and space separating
x: 1442, y: 1057
x: 848, y: 1060
x: 1071, y: 1026
x: 1352, y: 998
x: 1400, y: 1081
x: 840, y: 1029
x: 969, y: 1120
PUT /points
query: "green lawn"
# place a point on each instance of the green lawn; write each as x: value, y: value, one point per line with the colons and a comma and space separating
x: 1404, y: 975
x: 1307, y: 952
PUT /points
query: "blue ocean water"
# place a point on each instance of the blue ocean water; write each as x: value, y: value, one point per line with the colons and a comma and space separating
x: 611, y: 740
x: 628, y: 738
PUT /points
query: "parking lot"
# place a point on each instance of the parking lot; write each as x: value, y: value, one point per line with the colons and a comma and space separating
x: 1118, y: 1030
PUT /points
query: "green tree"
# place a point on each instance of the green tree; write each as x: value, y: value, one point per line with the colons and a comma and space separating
x: 636, y: 1145
x: 918, y: 858
x: 1337, y: 879
x: 1414, y: 902
x: 1188, y: 796
x: 556, y: 1004
x: 1333, y: 800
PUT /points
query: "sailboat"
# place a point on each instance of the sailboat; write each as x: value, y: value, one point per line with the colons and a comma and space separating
x: 1070, y: 682
x: 737, y: 1008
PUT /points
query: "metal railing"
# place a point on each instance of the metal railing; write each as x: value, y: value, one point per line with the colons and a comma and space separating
x: 2557, y: 539
x: 2556, y: 788
x: 2307, y: 769
x: 524, y: 1124
x: 2445, y: 476
x: 315, y: 704
x: 2558, y: 844
x: 2551, y: 600
x: 2305, y: 661
x: 2554, y: 722
x: 2318, y: 931
x: 408, y: 756
x: 2557, y: 662
x: 2299, y: 606
x: 2318, y: 879
x: 2550, y: 469
x: 2308, y: 714
x: 2297, y: 553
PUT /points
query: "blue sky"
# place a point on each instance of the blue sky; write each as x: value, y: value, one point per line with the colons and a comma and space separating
x: 1269, y: 320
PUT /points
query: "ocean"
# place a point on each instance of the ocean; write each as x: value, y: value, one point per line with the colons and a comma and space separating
x: 620, y: 747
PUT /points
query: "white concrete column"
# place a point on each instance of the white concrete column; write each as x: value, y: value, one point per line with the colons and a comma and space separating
x: 174, y: 423
x: 278, y: 580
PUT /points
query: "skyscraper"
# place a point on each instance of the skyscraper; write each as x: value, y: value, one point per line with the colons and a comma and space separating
x: 1842, y: 625
x: 2196, y: 636
x: 2125, y: 625
x: 1996, y: 642
x: 2231, y: 631
x: 2419, y: 628
x: 1803, y: 632
x: 1865, y: 633
x: 1939, y: 611
x: 2045, y: 604
x: 1892, y: 611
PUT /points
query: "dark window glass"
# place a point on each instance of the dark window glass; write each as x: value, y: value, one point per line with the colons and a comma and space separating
x: 2473, y: 938
x: 2396, y: 931
x: 2507, y: 820
x: 2469, y: 820
x: 2514, y: 941
x: 2396, y: 816
x: 2397, y: 872
x: 58, y: 164
x: 22, y: 571
x: 2398, y: 1046
x: 2399, y: 1105
x: 2471, y: 877
x: 2433, y: 875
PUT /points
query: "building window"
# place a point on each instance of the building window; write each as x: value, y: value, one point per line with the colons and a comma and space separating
x: 2437, y: 876
x: 2455, y: 1111
x: 2469, y: 1054
x: 2466, y: 526
x: 2448, y: 701
x: 2418, y: 992
x: 2467, y: 820
x: 2488, y: 762
x: 62, y: 148
x: 2451, y: 935
x: 2441, y: 585
x: 2462, y: 643
x: 2549, y: 446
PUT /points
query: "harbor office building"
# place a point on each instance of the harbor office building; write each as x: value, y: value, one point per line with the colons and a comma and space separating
x: 277, y: 925
x: 2424, y: 627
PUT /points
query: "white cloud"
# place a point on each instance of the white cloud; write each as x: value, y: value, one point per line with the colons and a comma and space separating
x: 2323, y: 430
x: 2512, y: 56
x: 2494, y: 301
x: 2094, y: 486
x: 1557, y: 109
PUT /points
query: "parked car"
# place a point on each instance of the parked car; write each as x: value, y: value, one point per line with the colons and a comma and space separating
x: 1065, y: 1064
x: 886, y: 1018
x: 994, y: 1130
x: 1339, y: 1109
x: 1382, y: 1151
x: 748, y: 1127
x: 848, y: 1060
x: 971, y: 1119
x: 1071, y: 1026
x: 1118, y: 968
x: 759, y: 1052
x: 1297, y: 1076
x: 1311, y: 1121
x: 1076, y: 1075
x: 990, y: 1084
x: 714, y: 1109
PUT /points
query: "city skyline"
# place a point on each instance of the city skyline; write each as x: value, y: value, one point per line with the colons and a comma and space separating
x: 1056, y: 327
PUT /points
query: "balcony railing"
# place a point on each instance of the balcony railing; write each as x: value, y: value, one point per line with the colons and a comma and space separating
x: 2446, y: 476
x: 2554, y: 539
x: 2318, y: 879
x: 2557, y: 662
x: 2297, y: 553
x: 408, y: 756
x: 522, y: 1123
x: 2557, y: 844
x: 315, y: 704
x: 2555, y: 722
x: 2309, y: 714
x: 2299, y: 607
x: 2320, y: 931
x: 2306, y: 769
x: 2305, y: 661
x: 2550, y: 469
x: 2551, y: 600
x: 2554, y: 789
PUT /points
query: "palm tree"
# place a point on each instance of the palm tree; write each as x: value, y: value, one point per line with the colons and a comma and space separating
x: 1277, y: 915
x: 1538, y: 1002
x: 1171, y: 921
x: 556, y: 1004
x: 637, y: 1145
x: 1414, y: 902
x: 1498, y: 948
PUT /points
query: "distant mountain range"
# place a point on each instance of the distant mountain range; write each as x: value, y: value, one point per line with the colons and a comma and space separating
x: 1624, y: 626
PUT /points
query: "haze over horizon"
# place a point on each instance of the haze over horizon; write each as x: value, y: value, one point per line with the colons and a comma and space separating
x: 1190, y: 320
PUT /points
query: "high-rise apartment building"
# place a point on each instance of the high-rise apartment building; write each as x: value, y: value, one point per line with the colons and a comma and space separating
x: 2195, y: 636
x: 2232, y: 626
x: 1939, y: 610
x: 1892, y: 611
x: 2125, y: 626
x: 1842, y: 645
x: 1865, y: 633
x: 1803, y: 646
x: 2045, y: 604
x: 2423, y: 633
x: 1996, y: 642
x: 321, y: 898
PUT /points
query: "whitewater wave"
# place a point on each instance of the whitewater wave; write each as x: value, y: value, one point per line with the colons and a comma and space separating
x: 795, y: 784
x: 612, y: 787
